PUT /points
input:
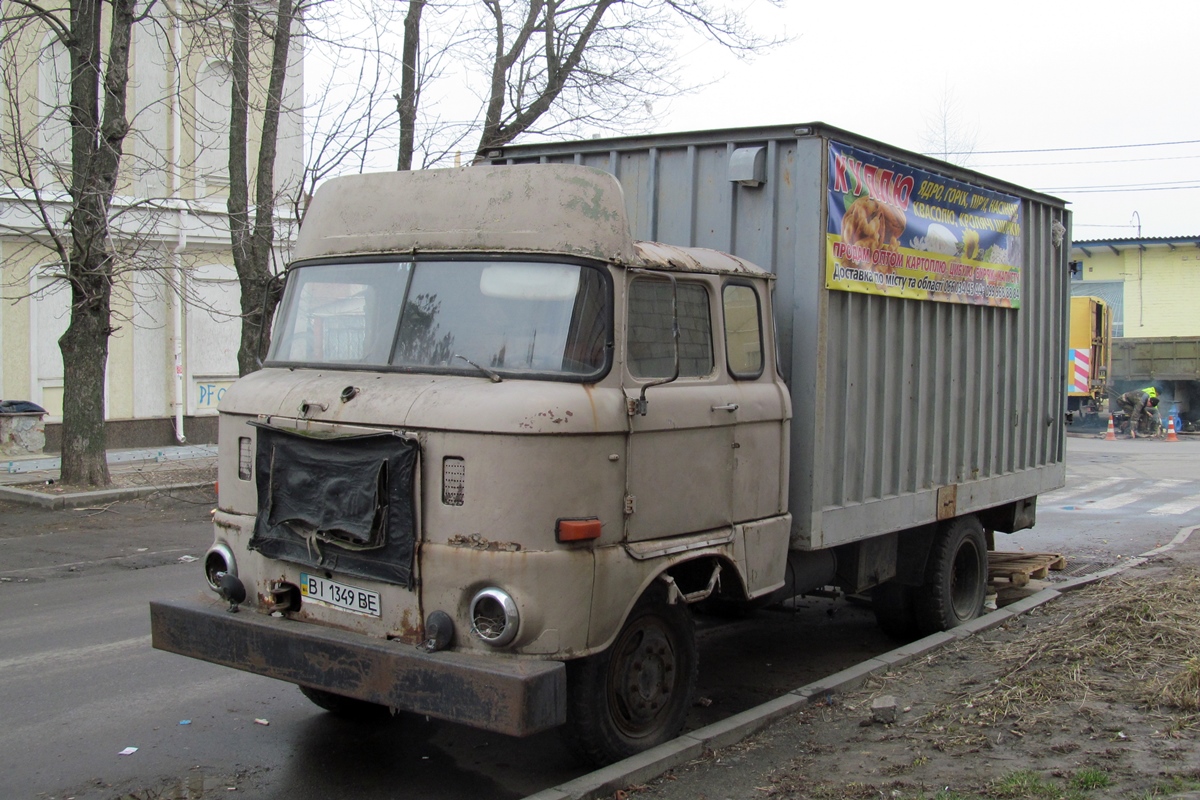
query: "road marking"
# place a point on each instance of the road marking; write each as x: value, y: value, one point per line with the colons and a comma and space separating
x: 1178, y: 507
x: 1059, y: 494
x: 69, y: 656
x: 1121, y: 499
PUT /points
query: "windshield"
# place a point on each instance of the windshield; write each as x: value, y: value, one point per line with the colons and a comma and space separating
x: 438, y: 316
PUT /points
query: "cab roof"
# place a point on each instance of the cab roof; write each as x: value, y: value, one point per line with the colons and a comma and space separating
x: 552, y: 209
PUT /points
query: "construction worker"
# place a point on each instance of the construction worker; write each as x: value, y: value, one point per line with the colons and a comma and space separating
x: 1134, y: 404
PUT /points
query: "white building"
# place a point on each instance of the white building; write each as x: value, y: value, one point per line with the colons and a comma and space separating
x: 169, y: 361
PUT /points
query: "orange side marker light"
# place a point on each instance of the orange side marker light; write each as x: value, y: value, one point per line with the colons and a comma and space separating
x: 577, y: 530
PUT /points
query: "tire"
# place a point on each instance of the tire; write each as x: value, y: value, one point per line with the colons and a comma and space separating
x: 895, y: 610
x: 955, y: 577
x: 350, y: 708
x: 637, y: 693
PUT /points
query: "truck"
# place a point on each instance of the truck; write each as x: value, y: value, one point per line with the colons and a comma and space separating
x: 518, y: 418
x: 1169, y: 363
x: 1089, y: 357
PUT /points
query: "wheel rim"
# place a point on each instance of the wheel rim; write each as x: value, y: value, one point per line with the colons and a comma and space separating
x: 642, y: 678
x: 965, y: 582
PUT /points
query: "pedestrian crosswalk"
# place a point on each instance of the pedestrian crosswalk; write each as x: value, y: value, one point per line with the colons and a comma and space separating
x: 1158, y: 497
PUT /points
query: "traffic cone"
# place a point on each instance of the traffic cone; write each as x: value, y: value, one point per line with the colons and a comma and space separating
x: 1111, y: 436
x: 1171, y: 437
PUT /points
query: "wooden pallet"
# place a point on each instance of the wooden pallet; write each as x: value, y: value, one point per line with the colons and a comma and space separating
x: 1019, y: 568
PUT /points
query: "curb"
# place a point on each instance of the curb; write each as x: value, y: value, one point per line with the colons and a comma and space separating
x: 655, y: 761
x: 58, y: 502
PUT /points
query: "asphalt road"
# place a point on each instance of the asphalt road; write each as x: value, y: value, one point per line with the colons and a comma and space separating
x: 79, y: 682
x: 1122, y: 498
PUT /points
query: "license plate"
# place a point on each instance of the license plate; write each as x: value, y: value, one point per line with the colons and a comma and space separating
x: 339, y: 595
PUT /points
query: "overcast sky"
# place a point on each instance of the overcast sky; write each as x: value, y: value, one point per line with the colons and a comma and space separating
x: 1106, y: 91
x: 1015, y: 76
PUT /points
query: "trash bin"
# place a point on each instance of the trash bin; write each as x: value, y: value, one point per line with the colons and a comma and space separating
x: 22, y: 429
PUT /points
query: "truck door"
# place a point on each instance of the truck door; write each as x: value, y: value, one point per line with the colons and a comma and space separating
x: 681, y: 454
x: 763, y: 411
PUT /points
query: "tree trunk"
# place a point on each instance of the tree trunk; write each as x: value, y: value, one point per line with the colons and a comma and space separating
x: 409, y: 90
x: 97, y: 138
x: 252, y: 242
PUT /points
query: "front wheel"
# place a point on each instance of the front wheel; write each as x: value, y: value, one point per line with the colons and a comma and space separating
x: 955, y: 577
x: 350, y: 708
x: 636, y: 694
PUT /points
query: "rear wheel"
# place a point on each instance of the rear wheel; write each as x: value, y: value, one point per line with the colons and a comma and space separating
x: 347, y: 707
x: 955, y: 577
x: 636, y: 694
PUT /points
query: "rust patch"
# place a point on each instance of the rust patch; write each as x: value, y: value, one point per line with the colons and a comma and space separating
x: 477, y: 542
x: 947, y: 502
x: 556, y: 417
x: 408, y: 632
x: 588, y: 387
x: 225, y: 526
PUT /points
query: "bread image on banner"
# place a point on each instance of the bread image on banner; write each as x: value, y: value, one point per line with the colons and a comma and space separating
x: 871, y: 224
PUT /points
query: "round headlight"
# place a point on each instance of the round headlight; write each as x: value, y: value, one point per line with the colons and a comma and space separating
x: 494, y: 617
x: 219, y: 558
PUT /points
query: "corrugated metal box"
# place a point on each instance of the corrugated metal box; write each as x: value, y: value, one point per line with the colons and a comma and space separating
x: 898, y: 401
x: 1172, y: 358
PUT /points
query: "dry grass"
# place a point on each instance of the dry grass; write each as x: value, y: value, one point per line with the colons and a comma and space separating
x: 1139, y: 640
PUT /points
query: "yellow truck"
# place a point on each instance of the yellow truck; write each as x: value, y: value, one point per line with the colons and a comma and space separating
x: 1089, y: 360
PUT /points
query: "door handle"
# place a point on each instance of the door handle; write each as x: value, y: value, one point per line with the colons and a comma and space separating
x: 730, y: 407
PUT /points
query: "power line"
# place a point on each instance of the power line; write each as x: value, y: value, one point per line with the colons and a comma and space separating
x: 1065, y: 149
x: 1119, y: 185
x: 1085, y: 190
x: 1072, y: 163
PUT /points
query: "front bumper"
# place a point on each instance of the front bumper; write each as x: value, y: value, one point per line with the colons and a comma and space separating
x: 506, y: 695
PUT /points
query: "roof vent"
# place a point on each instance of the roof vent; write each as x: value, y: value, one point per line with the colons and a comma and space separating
x: 748, y: 166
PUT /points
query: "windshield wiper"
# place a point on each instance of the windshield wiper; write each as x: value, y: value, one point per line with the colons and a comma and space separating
x: 495, y: 377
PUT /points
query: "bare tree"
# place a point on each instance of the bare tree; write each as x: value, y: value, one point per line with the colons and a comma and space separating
x: 549, y: 66
x: 253, y: 239
x: 946, y: 135
x: 349, y: 121
x: 80, y: 239
x: 408, y: 99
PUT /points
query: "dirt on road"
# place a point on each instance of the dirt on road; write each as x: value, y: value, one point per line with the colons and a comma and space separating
x: 1095, y: 695
x: 41, y: 544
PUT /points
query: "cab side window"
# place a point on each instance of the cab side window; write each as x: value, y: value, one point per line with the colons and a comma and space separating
x: 743, y: 331
x: 651, y: 352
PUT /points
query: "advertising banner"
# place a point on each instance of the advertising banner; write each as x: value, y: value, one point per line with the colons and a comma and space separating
x: 897, y: 230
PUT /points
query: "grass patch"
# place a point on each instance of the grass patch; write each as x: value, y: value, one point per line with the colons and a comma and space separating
x: 1138, y: 638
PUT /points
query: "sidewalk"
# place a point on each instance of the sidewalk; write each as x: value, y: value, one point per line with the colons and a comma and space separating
x: 32, y: 479
x: 1040, y: 699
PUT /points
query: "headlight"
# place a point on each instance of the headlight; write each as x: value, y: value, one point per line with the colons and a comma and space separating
x: 219, y: 558
x: 494, y: 617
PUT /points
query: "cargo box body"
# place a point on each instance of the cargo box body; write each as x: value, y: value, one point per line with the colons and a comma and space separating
x: 906, y: 410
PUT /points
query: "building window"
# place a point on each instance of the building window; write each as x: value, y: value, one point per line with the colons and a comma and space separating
x: 213, y: 97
